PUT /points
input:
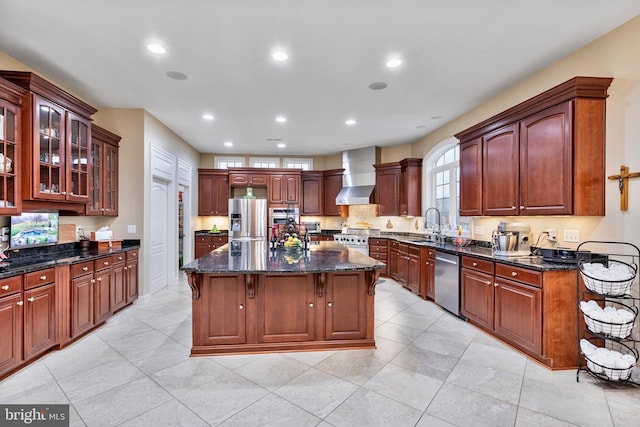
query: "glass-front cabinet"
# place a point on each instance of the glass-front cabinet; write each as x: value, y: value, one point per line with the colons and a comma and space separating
x: 10, y: 137
x: 49, y: 123
x: 103, y: 189
x: 78, y: 158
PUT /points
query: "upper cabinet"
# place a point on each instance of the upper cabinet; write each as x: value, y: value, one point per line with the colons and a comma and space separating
x: 213, y: 192
x: 103, y: 188
x: 56, y: 141
x: 399, y: 188
x: 10, y: 138
x: 332, y: 183
x: 312, y: 193
x: 544, y: 156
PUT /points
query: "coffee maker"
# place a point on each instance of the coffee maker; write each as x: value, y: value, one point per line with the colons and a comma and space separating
x: 511, y: 239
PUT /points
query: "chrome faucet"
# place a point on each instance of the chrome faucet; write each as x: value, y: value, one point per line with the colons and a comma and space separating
x: 426, y: 223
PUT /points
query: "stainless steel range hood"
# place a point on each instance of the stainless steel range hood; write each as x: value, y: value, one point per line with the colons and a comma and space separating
x: 359, y: 178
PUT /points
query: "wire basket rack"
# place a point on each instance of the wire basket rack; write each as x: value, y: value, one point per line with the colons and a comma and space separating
x: 611, y: 329
x: 610, y: 288
x: 609, y: 373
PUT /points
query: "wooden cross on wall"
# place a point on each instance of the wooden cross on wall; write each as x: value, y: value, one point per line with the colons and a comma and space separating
x: 623, y: 185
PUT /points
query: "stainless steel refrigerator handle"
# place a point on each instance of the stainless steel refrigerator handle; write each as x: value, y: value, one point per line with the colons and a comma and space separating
x: 445, y: 260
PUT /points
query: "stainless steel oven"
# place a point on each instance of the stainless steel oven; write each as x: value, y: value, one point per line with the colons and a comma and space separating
x: 283, y: 216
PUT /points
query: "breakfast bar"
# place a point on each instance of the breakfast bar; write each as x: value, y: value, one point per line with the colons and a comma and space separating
x: 250, y: 298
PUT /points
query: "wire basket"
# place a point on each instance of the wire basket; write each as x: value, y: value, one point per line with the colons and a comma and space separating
x: 611, y: 329
x: 610, y: 373
x: 610, y: 288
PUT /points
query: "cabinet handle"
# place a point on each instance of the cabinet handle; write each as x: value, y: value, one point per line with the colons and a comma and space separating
x: 311, y: 304
x: 241, y: 306
x: 85, y: 268
x: 475, y: 264
x: 43, y: 277
x: 125, y: 268
x: 93, y: 280
x: 99, y: 279
x: 119, y: 258
x: 102, y: 210
x: 521, y: 207
x: 513, y: 208
x: 106, y: 263
x: 329, y: 304
x: 31, y: 299
x: 19, y: 303
x: 495, y: 284
x: 514, y: 274
x: 5, y: 287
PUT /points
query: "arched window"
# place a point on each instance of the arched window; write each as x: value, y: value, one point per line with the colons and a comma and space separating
x: 441, y: 170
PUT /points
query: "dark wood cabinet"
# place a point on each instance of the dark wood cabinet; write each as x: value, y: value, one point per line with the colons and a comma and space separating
x: 413, y: 269
x: 399, y: 188
x: 118, y: 282
x: 213, y: 192
x: 10, y: 147
x: 428, y: 273
x: 477, y: 295
x: 131, y: 275
x: 102, y: 290
x: 284, y: 189
x: 56, y: 132
x: 82, y: 316
x: 392, y: 260
x: 346, y: 306
x: 286, y: 308
x: 39, y: 320
x: 312, y: 194
x: 379, y: 250
x: 11, y: 329
x: 332, y: 182
x: 104, y: 186
x: 205, y: 244
x: 544, y: 156
x: 518, y: 314
x: 221, y: 310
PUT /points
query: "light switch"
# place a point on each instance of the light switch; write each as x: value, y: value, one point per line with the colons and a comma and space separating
x: 131, y: 229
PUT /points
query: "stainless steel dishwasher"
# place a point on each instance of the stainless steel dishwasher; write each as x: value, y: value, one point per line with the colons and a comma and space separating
x: 447, y: 282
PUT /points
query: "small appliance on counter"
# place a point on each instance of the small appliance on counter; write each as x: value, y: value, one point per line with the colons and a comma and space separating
x: 312, y: 227
x: 570, y: 256
x: 511, y: 239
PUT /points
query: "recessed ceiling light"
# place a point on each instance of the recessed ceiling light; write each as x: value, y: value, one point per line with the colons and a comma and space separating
x: 280, y: 55
x: 176, y: 75
x: 156, y: 48
x: 281, y: 145
x: 378, y: 85
x: 350, y: 122
x: 394, y: 62
x: 208, y: 116
x: 281, y: 119
x: 228, y: 144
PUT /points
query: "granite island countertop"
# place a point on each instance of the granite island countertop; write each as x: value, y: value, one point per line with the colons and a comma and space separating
x: 256, y: 257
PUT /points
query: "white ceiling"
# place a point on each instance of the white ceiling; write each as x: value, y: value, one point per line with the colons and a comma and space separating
x: 457, y: 54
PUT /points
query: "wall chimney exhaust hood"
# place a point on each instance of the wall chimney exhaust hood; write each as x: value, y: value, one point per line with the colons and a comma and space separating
x: 359, y: 179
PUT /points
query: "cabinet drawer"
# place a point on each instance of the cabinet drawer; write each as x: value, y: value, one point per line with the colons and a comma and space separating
x: 478, y: 264
x: 119, y: 257
x: 379, y: 256
x: 394, y: 244
x: 132, y: 255
x: 103, y: 263
x: 377, y: 242
x: 203, y: 239
x: 10, y: 285
x: 81, y: 269
x: 219, y: 240
x: 377, y: 249
x: 431, y: 253
x: 530, y: 277
x: 38, y: 278
x: 414, y: 250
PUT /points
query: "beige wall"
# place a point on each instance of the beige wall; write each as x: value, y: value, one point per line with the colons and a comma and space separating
x: 613, y: 55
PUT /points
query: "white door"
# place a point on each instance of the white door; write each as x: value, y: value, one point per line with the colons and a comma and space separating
x: 159, y: 227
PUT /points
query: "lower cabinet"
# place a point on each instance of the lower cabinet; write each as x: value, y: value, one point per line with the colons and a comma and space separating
x: 82, y: 318
x: 131, y: 275
x: 346, y: 307
x: 378, y: 250
x: 477, y: 297
x: 405, y: 266
x: 205, y: 244
x: 39, y: 312
x: 428, y: 273
x: 118, y: 282
x: 102, y: 290
x: 11, y: 320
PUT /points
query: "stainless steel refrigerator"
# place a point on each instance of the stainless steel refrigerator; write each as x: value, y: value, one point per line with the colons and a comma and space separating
x: 248, y: 219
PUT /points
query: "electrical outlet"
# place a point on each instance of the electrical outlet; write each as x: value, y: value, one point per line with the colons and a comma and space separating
x: 552, y: 235
x: 572, y: 236
x: 131, y: 229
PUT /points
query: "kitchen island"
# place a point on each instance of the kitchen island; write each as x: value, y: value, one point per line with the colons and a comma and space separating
x: 248, y: 298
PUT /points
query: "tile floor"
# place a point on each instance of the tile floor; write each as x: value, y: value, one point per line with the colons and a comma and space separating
x: 430, y: 369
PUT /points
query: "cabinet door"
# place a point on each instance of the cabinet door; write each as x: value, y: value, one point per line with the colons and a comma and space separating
x: 276, y: 190
x: 291, y: 188
x: 332, y: 186
x: 118, y: 286
x: 500, y: 174
x: 132, y: 281
x: 39, y: 320
x: 477, y: 298
x: 471, y: 178
x: 82, y: 318
x: 413, y: 269
x: 312, y: 187
x: 10, y: 139
x: 518, y: 314
x: 346, y: 306
x: 11, y: 320
x: 49, y: 150
x: 545, y: 162
x: 411, y: 187
x: 96, y: 187
x: 286, y: 308
x: 202, y: 249
x: 220, y: 310
x: 77, y: 146
x: 403, y: 264
x: 428, y: 273
x: 388, y: 191
x: 102, y: 296
x: 393, y: 264
x: 213, y: 194
x: 111, y: 185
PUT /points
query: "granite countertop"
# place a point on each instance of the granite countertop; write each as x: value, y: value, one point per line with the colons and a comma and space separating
x: 531, y: 262
x: 209, y: 233
x: 46, y: 259
x: 256, y: 257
